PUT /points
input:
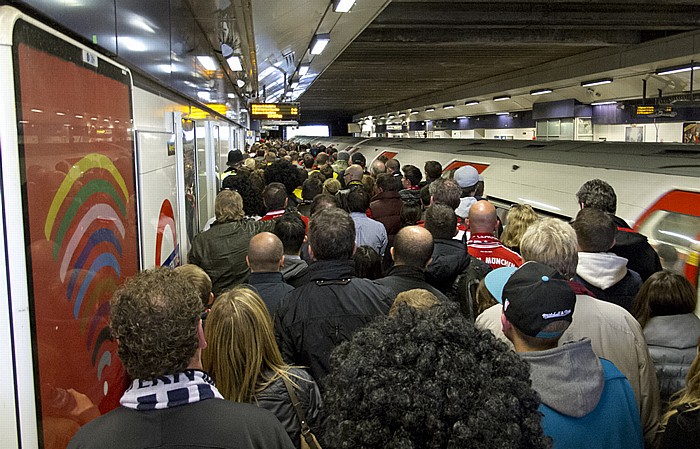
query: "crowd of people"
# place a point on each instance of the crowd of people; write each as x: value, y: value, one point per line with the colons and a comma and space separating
x: 331, y: 303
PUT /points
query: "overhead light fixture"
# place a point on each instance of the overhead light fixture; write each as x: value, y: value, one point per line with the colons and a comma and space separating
x: 319, y: 42
x: 462, y: 117
x: 382, y: 118
x: 208, y: 63
x: 342, y: 5
x: 596, y: 82
x: 414, y: 112
x: 471, y: 103
x: 234, y: 62
x: 676, y: 69
x: 304, y: 69
x: 502, y: 113
x: 541, y: 91
x: 295, y: 84
x: 501, y: 98
x: 448, y: 106
x: 603, y: 103
x: 403, y: 114
x: 430, y: 109
x: 391, y: 116
x: 240, y: 83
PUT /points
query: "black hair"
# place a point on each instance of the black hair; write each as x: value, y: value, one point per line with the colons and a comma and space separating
x: 598, y: 194
x: 388, y: 182
x: 358, y: 200
x: 251, y: 195
x: 413, y: 174
x: 410, y: 214
x: 429, y: 379
x: 311, y: 188
x: 283, y: 171
x: 368, y: 264
x: 433, y: 170
x: 290, y: 229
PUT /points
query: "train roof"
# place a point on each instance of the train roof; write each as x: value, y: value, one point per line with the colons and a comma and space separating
x: 660, y: 158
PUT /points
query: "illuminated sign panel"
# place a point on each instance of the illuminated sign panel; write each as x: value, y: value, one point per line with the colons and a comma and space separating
x: 274, y: 111
x: 645, y: 110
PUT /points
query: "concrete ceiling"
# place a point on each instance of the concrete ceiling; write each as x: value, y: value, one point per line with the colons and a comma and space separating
x: 403, y: 54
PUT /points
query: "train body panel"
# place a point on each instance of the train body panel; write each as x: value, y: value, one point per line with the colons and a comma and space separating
x: 100, y: 178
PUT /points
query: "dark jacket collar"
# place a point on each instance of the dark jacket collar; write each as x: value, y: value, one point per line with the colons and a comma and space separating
x: 405, y: 271
x: 331, y: 269
x: 267, y: 277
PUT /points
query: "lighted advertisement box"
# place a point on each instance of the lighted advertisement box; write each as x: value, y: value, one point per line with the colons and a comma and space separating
x: 77, y: 152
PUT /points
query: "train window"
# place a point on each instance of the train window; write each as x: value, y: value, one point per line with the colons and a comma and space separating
x: 675, y: 236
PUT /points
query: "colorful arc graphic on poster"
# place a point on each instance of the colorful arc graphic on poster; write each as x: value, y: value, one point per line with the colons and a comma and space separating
x: 88, y: 235
x: 166, y: 219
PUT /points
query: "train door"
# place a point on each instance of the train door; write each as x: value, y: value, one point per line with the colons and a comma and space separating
x: 207, y: 146
x: 70, y: 229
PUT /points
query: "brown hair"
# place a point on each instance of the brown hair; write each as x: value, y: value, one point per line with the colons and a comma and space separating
x: 664, y: 293
x: 199, y: 278
x: 228, y: 206
x: 418, y: 298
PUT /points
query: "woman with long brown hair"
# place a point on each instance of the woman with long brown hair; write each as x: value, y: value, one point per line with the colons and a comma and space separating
x: 245, y: 362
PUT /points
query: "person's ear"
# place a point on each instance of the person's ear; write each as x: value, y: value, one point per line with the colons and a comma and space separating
x: 247, y: 261
x: 211, y: 299
x: 391, y: 251
x: 428, y: 262
x: 200, y: 336
x: 311, y: 252
x: 505, y: 325
x: 282, y: 262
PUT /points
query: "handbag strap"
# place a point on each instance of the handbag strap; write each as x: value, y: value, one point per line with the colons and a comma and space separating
x: 299, y: 410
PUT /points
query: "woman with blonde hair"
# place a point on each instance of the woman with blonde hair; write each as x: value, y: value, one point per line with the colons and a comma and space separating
x: 519, y: 218
x: 245, y: 362
x: 681, y: 423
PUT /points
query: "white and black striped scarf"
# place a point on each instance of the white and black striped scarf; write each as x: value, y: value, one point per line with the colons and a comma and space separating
x: 169, y: 391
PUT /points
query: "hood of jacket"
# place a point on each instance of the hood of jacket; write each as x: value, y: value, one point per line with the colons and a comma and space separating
x: 602, y: 270
x: 675, y: 331
x: 569, y: 378
x: 464, y: 205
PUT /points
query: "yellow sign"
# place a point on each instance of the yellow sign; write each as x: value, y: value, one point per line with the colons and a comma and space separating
x: 274, y: 111
x: 645, y: 110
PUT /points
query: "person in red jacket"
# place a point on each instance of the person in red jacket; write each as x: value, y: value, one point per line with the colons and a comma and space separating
x: 482, y: 243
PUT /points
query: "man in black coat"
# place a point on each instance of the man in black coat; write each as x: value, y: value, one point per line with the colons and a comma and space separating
x: 317, y: 316
x: 265, y: 259
x: 412, y: 252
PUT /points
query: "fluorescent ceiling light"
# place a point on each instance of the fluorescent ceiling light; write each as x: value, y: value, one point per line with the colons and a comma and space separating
x: 430, y: 109
x: 677, y: 69
x: 403, y: 114
x: 501, y: 98
x: 204, y: 95
x: 319, y: 42
x: 414, y: 112
x: 235, y: 63
x: 602, y: 103
x: 131, y: 43
x: 240, y: 83
x: 448, y: 106
x: 207, y: 62
x: 596, y: 82
x: 342, y: 5
x: 391, y: 116
x: 541, y: 91
x: 382, y: 118
x: 268, y: 71
x: 502, y: 113
x: 462, y: 117
x: 471, y: 103
x: 303, y: 69
x: 295, y: 84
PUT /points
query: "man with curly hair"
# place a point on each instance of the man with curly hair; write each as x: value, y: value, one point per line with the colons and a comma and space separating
x: 429, y: 379
x: 172, y: 402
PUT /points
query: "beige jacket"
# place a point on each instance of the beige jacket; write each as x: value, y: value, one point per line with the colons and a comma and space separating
x: 616, y: 336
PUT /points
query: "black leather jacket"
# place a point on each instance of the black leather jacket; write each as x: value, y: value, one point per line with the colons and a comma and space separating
x: 276, y: 399
x: 316, y: 317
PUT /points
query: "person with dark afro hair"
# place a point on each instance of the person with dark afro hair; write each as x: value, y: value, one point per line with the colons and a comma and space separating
x: 429, y: 379
x: 283, y: 171
x: 253, y: 204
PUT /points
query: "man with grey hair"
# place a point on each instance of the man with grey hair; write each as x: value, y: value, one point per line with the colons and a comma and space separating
x: 265, y: 259
x: 171, y: 402
x: 615, y: 334
x: 353, y: 181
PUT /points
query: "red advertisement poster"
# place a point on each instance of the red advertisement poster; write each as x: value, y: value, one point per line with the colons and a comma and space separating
x: 79, y: 205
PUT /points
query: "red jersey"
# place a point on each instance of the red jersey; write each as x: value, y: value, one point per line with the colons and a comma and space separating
x: 490, y: 250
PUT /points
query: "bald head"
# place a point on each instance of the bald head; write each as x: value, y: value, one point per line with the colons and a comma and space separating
x: 265, y: 253
x: 413, y: 246
x: 354, y: 173
x: 482, y: 217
